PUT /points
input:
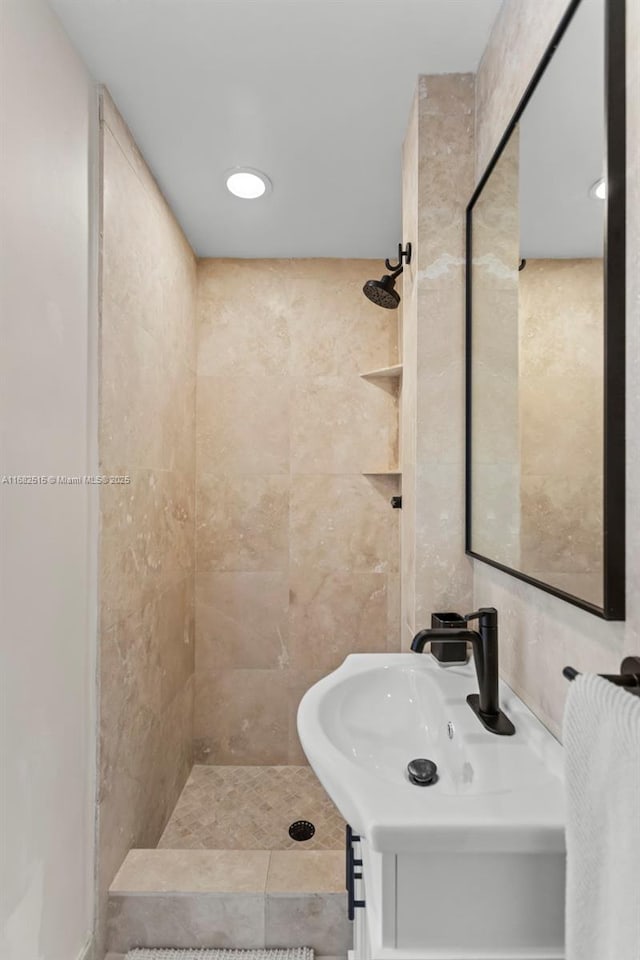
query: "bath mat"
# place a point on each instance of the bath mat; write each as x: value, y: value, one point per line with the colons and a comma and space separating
x: 294, y: 953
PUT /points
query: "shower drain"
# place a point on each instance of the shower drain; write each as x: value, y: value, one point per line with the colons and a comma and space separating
x: 301, y: 830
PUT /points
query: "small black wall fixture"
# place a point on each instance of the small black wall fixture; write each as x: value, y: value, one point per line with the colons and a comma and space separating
x: 382, y: 292
x: 628, y: 678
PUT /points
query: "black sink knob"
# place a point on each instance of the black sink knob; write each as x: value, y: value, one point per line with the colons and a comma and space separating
x: 422, y: 772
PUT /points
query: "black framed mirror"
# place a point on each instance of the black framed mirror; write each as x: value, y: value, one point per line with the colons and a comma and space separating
x: 545, y: 302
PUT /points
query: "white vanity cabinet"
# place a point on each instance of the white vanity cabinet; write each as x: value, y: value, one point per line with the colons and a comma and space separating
x: 456, y: 906
x: 470, y: 867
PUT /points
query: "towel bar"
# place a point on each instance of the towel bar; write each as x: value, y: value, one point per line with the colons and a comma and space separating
x: 629, y: 676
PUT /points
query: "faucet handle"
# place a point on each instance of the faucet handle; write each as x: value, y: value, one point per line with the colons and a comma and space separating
x: 487, y: 614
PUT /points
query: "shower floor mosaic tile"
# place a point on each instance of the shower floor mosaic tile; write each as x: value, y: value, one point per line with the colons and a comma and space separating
x: 251, y: 808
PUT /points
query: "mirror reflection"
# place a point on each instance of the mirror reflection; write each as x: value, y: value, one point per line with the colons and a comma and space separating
x: 537, y: 329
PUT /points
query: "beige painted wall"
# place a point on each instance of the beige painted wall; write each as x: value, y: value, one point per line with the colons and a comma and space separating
x: 437, y: 182
x: 147, y: 431
x: 560, y: 321
x: 296, y: 550
x: 48, y: 538
x: 539, y: 633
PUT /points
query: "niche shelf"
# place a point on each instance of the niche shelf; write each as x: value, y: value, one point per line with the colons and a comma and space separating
x: 389, y: 379
x: 384, y: 373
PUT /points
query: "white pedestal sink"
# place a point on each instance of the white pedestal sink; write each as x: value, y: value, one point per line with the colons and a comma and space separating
x: 469, y: 868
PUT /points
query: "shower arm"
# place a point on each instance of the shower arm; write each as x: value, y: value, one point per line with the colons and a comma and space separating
x: 396, y: 270
x: 403, y: 255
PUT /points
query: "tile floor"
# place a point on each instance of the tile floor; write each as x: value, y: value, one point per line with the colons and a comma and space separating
x: 251, y: 808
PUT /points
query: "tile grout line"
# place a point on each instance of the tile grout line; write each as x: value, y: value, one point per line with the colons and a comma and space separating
x: 264, y: 906
x: 266, y: 880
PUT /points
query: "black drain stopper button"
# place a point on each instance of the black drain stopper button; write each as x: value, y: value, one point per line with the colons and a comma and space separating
x: 301, y: 830
x: 422, y: 772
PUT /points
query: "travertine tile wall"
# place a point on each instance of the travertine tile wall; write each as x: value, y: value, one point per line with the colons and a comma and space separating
x: 437, y: 183
x: 539, y: 633
x: 408, y: 413
x: 147, y: 432
x: 296, y: 550
x: 560, y: 320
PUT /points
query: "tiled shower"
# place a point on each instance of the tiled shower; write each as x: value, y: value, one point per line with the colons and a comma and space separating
x: 254, y: 545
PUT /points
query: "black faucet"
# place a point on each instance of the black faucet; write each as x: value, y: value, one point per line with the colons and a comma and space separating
x: 486, y: 704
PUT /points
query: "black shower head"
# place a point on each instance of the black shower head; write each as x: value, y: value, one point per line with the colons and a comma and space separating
x: 382, y: 292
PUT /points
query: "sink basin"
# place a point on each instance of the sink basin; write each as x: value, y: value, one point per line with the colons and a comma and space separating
x: 362, y: 724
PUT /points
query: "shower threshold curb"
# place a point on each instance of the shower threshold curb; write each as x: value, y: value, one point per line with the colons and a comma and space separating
x: 171, y: 871
x: 253, y: 899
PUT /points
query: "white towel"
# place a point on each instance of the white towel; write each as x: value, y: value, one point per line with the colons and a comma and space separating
x: 601, y: 735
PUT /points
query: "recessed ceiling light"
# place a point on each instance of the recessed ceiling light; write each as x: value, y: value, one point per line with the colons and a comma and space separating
x: 598, y: 190
x: 246, y: 183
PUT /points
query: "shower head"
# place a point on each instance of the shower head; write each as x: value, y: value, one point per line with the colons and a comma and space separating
x: 382, y: 292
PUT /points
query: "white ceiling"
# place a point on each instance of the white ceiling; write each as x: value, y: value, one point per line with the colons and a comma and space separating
x: 316, y: 93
